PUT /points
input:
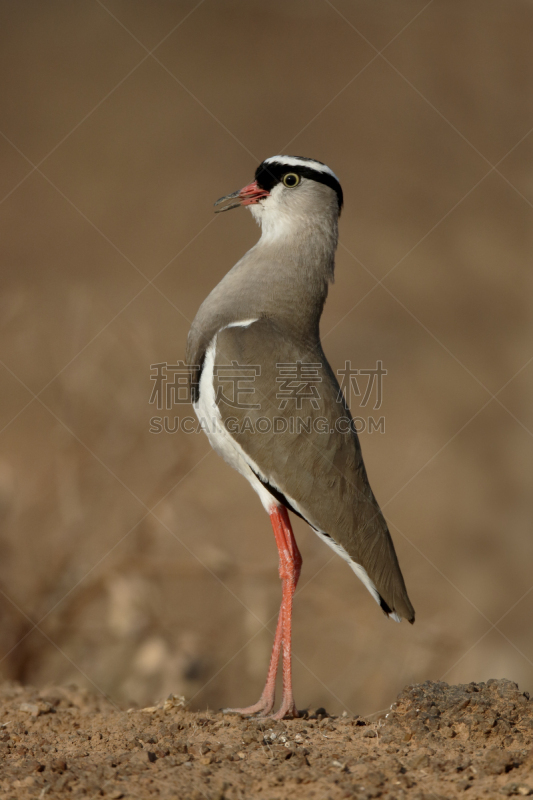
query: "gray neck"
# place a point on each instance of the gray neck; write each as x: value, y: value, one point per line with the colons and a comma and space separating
x: 285, y: 277
x: 293, y: 270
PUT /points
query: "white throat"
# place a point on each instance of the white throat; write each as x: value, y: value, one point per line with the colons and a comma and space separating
x: 276, y: 220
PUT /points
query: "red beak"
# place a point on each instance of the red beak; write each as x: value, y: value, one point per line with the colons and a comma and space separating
x: 252, y: 194
x: 248, y: 196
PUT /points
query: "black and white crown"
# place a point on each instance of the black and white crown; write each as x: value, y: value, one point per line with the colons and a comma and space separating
x: 271, y: 171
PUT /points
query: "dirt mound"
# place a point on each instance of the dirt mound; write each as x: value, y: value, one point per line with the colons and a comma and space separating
x: 436, y: 742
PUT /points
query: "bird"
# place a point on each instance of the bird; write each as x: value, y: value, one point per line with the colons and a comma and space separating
x: 262, y: 322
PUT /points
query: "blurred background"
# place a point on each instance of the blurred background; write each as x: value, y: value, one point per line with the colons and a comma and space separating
x: 139, y: 563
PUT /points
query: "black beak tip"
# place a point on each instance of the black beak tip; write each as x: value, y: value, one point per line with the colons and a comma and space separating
x: 227, y: 197
x: 226, y: 208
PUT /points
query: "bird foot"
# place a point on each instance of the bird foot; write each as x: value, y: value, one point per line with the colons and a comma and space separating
x: 262, y: 710
x: 262, y: 707
x: 287, y: 711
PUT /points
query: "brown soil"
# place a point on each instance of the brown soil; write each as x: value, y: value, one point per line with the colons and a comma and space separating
x: 436, y: 742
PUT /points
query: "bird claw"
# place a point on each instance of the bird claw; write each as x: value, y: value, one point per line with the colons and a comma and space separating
x: 249, y: 711
x: 263, y: 711
x: 284, y: 713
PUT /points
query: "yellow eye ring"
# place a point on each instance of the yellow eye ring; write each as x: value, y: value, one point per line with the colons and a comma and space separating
x: 290, y: 180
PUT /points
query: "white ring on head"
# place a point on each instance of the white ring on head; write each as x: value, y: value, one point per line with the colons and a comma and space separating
x: 295, y: 161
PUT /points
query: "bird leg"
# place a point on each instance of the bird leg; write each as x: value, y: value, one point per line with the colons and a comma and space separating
x: 290, y: 563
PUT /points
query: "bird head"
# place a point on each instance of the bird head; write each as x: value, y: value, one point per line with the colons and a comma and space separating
x: 287, y: 190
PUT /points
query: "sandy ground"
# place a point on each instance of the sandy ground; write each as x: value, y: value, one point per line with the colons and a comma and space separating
x: 117, y: 567
x: 141, y: 563
x: 437, y: 741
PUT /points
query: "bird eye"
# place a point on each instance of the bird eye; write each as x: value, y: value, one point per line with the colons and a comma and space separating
x: 291, y: 179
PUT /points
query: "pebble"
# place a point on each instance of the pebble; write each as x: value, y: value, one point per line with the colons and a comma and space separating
x: 30, y: 708
x: 419, y: 761
x: 197, y: 749
x: 518, y: 789
x: 58, y: 765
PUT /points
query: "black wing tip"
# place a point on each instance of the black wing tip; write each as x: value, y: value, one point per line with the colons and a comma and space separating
x: 385, y: 606
x: 388, y: 611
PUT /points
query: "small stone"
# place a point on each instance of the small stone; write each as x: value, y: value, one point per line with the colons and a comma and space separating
x: 369, y: 733
x: 36, y: 709
x: 499, y: 762
x: 176, y: 726
x: 140, y: 759
x: 30, y: 708
x: 174, y: 701
x: 419, y: 760
x: 58, y: 765
x: 24, y: 782
x: 146, y: 737
x: 516, y: 789
x: 61, y: 783
x: 197, y: 749
x: 340, y: 765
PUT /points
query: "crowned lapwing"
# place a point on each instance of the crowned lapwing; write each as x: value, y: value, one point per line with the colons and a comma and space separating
x: 294, y: 440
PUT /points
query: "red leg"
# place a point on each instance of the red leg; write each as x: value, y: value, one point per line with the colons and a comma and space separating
x: 265, y: 704
x: 290, y: 562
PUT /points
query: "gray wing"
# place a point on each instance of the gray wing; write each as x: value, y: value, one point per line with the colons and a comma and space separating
x: 317, y: 469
